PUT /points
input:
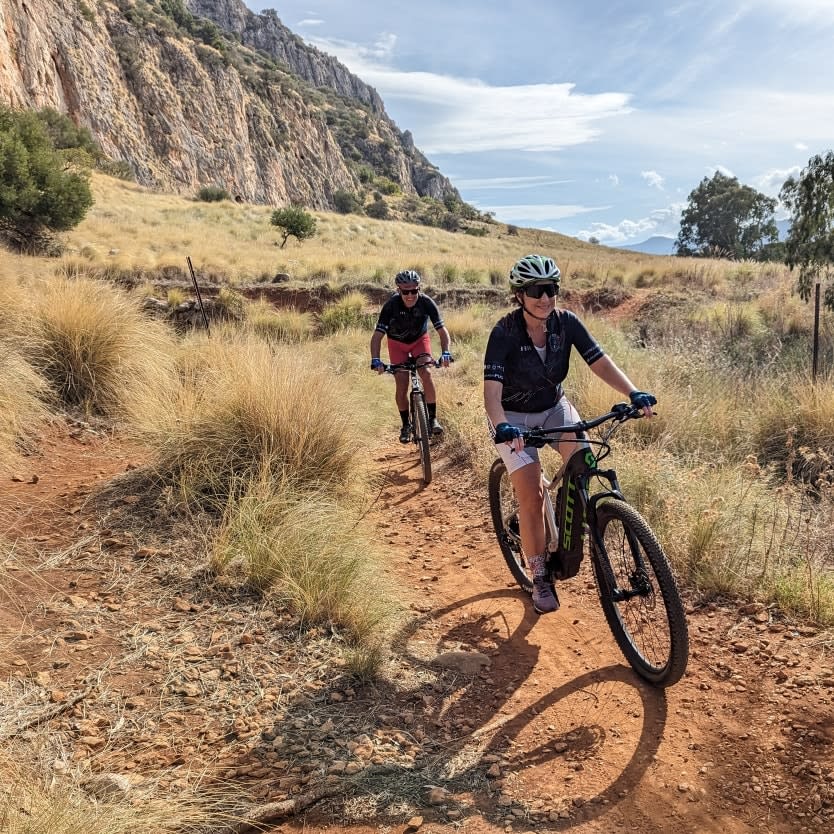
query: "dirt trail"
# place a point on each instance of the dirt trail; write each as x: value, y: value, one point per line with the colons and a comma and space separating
x: 489, y: 717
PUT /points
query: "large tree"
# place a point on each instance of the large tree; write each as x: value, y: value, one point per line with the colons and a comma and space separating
x: 42, y: 190
x: 810, y: 243
x: 726, y: 219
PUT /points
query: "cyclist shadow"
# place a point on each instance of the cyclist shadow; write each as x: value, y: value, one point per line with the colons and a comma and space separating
x: 551, y: 737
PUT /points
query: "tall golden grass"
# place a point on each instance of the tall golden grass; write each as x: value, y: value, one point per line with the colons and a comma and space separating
x: 241, y: 413
x: 93, y: 345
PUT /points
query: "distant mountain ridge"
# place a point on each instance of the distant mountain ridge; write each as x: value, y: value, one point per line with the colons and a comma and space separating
x: 663, y: 245
x: 205, y: 92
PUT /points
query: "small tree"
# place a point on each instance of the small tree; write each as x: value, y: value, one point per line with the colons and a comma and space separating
x: 726, y: 218
x: 810, y: 243
x: 42, y: 190
x: 295, y: 222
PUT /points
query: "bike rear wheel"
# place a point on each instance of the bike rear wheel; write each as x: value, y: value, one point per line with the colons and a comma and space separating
x: 420, y: 429
x: 504, y: 508
x: 644, y: 610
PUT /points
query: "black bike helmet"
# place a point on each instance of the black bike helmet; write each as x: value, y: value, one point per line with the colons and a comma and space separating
x: 533, y: 269
x: 407, y: 276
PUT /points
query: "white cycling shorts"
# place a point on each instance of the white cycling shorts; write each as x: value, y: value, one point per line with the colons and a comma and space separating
x: 558, y: 415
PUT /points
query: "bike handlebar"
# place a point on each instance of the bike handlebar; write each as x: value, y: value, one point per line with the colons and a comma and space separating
x: 413, y: 366
x: 619, y: 412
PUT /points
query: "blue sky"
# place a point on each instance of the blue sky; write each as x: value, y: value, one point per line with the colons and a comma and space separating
x: 595, y: 117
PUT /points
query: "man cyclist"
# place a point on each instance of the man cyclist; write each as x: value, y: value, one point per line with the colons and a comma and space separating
x: 404, y: 319
x: 527, y: 358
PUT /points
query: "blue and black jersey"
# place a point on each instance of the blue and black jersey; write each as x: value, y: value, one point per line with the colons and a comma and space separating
x: 530, y: 383
x: 405, y: 325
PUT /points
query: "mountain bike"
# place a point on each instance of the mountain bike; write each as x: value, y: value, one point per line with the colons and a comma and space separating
x: 418, y: 413
x: 637, y: 590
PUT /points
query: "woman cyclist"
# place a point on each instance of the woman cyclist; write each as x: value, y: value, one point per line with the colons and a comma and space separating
x: 527, y: 358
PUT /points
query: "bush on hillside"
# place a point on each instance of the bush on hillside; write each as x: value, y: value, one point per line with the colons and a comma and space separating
x: 378, y: 209
x: 344, y: 202
x: 213, y: 194
x: 41, y: 191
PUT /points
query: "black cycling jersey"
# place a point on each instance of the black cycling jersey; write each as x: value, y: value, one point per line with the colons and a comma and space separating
x: 407, y: 325
x: 531, y: 384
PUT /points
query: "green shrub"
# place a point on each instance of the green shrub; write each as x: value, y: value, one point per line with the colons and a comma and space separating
x: 344, y: 202
x: 213, y: 194
x: 40, y: 193
x: 378, y: 209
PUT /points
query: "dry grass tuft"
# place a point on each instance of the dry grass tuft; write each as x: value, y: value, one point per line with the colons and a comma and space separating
x: 277, y: 325
x: 305, y: 549
x: 244, y: 413
x: 349, y: 312
x: 21, y: 408
x: 94, y: 346
x: 32, y: 803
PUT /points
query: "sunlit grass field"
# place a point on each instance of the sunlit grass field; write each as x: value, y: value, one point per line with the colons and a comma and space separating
x: 133, y: 230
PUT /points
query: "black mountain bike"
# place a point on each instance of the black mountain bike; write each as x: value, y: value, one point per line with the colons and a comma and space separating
x: 419, y: 414
x: 637, y: 590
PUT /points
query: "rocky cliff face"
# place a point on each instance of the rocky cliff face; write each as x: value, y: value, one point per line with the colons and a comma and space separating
x: 265, y: 31
x: 188, y: 106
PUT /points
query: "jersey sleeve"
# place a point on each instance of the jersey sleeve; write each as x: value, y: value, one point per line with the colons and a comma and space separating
x: 433, y: 312
x: 578, y: 335
x: 496, y: 355
x: 384, y: 320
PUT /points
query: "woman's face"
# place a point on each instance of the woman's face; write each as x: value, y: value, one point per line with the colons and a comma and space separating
x: 545, y: 303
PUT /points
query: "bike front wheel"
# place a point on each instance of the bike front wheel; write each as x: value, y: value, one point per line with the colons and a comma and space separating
x: 420, y: 430
x: 643, y: 607
x: 503, y: 505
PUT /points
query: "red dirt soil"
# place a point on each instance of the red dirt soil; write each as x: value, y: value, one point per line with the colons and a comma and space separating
x: 556, y: 733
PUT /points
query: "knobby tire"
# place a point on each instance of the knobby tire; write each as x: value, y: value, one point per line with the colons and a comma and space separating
x: 504, y: 508
x: 650, y: 628
x: 420, y: 428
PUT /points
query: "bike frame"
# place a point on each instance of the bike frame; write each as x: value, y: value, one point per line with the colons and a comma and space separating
x: 573, y: 480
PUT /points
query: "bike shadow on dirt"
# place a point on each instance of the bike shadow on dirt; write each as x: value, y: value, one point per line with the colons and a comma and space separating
x: 573, y: 726
x: 473, y: 719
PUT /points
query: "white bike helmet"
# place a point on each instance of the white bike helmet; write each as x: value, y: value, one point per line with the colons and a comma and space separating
x: 532, y: 269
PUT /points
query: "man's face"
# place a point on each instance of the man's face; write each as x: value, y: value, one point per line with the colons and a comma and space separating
x: 409, y: 294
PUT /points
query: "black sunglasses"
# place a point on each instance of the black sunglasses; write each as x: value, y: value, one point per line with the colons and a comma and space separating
x: 538, y: 290
x: 409, y: 292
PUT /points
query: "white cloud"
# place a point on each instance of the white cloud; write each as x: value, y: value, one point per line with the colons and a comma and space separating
x: 712, y: 170
x: 506, y: 182
x: 771, y: 182
x: 801, y: 146
x: 310, y: 21
x: 469, y: 115
x: 664, y: 221
x: 614, y: 180
x: 537, y: 213
x: 654, y: 179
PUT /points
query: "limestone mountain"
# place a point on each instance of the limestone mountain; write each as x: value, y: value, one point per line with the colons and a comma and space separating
x: 205, y: 92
